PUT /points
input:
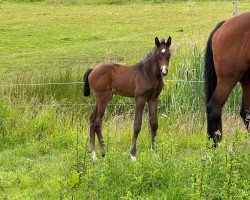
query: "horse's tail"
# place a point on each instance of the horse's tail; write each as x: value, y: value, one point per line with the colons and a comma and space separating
x: 209, y: 73
x: 86, y: 88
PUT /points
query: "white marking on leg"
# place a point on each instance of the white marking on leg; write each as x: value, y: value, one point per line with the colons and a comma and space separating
x: 93, y: 156
x: 133, y: 158
x: 163, y: 50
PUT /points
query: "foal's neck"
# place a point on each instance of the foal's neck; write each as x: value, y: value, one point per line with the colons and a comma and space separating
x: 151, y: 68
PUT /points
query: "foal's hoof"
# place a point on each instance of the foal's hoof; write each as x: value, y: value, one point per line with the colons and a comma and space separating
x: 133, y: 158
x: 103, y: 154
x: 93, y: 156
x: 153, y: 147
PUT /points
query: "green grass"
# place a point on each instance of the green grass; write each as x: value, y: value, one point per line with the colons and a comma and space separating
x: 38, y: 158
x: 44, y: 129
x: 43, y: 39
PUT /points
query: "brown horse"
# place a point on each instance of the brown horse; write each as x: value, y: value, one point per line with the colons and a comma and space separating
x: 142, y: 81
x: 227, y: 61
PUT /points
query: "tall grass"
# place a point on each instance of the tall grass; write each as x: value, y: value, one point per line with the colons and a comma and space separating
x: 184, y: 166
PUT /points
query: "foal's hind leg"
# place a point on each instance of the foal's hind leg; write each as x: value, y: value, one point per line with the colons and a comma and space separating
x: 214, y: 109
x: 102, y: 104
x: 102, y: 99
x: 245, y: 107
x: 153, y: 121
x: 140, y: 103
x: 92, y: 134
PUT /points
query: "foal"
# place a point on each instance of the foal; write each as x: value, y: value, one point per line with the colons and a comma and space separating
x: 142, y: 81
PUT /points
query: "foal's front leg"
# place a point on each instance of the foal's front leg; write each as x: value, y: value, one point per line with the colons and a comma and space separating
x: 140, y: 103
x: 153, y: 121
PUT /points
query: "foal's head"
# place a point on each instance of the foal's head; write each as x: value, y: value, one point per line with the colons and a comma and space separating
x: 162, y: 54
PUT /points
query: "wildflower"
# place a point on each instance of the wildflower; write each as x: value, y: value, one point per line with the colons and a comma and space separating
x: 230, y: 150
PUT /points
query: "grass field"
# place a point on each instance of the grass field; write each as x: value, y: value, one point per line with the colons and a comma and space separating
x: 44, y: 128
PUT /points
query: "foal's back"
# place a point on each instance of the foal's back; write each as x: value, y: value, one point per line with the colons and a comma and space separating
x: 115, y: 78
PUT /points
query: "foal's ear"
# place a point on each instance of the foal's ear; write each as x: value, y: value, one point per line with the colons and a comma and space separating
x: 169, y: 41
x: 157, y: 42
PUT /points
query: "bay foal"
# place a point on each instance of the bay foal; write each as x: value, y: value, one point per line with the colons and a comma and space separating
x: 142, y: 81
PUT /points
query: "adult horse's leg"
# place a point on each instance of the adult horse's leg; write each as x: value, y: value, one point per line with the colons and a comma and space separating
x: 153, y: 121
x: 140, y: 103
x: 102, y: 104
x: 214, y: 109
x: 245, y: 107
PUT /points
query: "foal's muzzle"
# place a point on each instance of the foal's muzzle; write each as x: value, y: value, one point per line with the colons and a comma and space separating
x: 164, y: 73
x: 164, y: 70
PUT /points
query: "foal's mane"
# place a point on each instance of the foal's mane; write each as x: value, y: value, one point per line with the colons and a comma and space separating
x: 141, y: 64
x: 149, y: 54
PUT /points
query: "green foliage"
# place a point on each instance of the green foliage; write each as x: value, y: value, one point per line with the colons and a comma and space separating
x: 44, y: 129
x: 184, y: 166
x: 74, y: 178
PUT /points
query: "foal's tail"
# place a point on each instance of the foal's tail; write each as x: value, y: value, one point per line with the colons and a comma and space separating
x: 209, y: 73
x: 86, y: 88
